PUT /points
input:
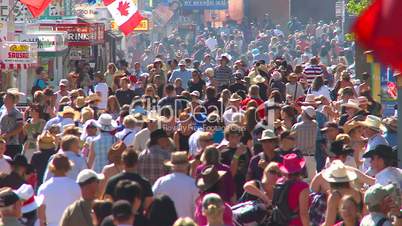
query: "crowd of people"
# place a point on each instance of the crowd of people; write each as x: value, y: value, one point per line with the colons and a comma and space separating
x: 252, y: 125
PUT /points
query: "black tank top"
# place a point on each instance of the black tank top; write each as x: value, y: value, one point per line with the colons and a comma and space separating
x: 183, y: 141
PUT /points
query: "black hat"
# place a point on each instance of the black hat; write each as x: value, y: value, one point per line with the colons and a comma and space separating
x: 19, y: 160
x: 330, y: 125
x: 383, y: 151
x: 338, y: 148
x: 8, y: 198
x: 122, y: 209
x: 157, y: 134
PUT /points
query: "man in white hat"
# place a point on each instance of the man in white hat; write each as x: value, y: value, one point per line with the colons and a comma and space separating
x: 372, y: 131
x: 233, y: 107
x: 223, y: 73
x: 182, y: 73
x: 10, y: 208
x: 178, y: 185
x: 63, y: 91
x: 306, y: 136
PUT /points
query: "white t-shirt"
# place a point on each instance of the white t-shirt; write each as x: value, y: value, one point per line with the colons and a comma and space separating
x: 141, y: 138
x: 128, y: 135
x: 4, y: 165
x: 103, y: 89
x: 59, y: 193
x: 181, y: 189
x: 211, y: 43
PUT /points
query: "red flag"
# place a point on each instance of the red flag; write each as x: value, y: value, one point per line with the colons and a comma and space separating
x: 378, y: 28
x: 125, y: 13
x: 37, y: 11
x: 35, y: 3
x: 392, y: 90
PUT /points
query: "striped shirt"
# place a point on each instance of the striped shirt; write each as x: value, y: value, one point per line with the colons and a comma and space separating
x: 306, y: 136
x: 311, y: 71
x: 223, y: 76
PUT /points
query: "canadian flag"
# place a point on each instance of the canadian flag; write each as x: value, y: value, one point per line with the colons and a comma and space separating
x: 125, y: 13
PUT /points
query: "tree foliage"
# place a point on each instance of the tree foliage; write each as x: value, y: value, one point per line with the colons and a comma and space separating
x: 355, y: 7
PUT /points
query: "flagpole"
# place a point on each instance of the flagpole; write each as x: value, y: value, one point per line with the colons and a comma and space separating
x: 399, y: 101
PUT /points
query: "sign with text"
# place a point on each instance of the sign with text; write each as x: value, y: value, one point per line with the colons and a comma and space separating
x: 143, y: 26
x: 47, y: 42
x: 80, y: 34
x: 205, y: 4
x: 85, y: 11
x: 19, y: 53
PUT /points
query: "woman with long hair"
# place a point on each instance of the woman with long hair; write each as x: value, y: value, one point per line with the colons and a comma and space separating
x: 162, y: 212
x: 32, y: 129
x: 224, y: 97
x: 343, y: 82
x: 113, y: 107
x: 182, y: 135
x: 319, y: 88
x: 288, y: 116
x: 109, y: 74
x: 349, y: 212
x: 150, y: 99
x: 213, y: 209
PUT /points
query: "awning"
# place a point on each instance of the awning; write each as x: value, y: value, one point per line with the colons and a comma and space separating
x: 15, y: 66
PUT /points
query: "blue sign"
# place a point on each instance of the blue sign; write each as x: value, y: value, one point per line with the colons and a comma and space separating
x: 205, y: 4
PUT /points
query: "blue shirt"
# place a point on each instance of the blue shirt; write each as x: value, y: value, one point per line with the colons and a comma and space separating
x: 391, y: 137
x: 184, y: 75
x: 101, y: 146
x: 79, y: 165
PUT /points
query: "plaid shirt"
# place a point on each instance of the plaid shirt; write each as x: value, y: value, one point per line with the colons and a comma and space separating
x: 101, y: 146
x: 306, y: 136
x: 150, y: 163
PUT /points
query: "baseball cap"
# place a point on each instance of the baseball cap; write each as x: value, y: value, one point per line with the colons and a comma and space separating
x: 63, y: 82
x: 376, y: 194
x: 88, y: 174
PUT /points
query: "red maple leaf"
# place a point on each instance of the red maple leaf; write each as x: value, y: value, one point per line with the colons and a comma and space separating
x: 123, y: 6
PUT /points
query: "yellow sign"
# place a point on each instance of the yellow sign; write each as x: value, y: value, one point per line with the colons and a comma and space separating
x: 143, y: 26
x: 19, y: 48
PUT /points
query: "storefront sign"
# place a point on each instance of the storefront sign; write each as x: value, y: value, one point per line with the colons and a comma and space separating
x: 79, y: 53
x: 47, y: 42
x: 80, y: 34
x: 19, y: 53
x: 85, y: 11
x: 205, y: 4
x: 143, y: 26
x: 54, y: 11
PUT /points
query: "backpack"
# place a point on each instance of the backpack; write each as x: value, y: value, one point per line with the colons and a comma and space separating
x: 281, y: 213
x: 250, y: 212
x: 35, y: 87
x: 317, y: 208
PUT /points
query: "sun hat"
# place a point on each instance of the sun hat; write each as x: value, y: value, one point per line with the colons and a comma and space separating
x: 195, y: 93
x: 383, y: 151
x: 352, y: 103
x: 268, y: 134
x: 235, y: 97
x: 116, y: 151
x: 310, y: 100
x: 80, y: 102
x: 92, y: 98
x: 227, y: 56
x: 70, y: 110
x: 177, y: 158
x: 88, y: 174
x: 337, y: 172
x: 209, y: 177
x: 292, y: 164
x: 309, y: 110
x: 106, y: 122
x: 46, y: 141
x: 258, y: 79
x: 391, y: 123
x: 374, y: 123
x: 31, y: 202
x: 376, y: 194
x: 348, y: 126
x: 15, y: 91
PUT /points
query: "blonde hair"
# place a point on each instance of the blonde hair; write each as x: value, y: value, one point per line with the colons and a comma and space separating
x: 343, y: 137
x: 129, y: 121
x: 186, y: 221
x: 67, y: 141
x: 212, y: 205
x: 271, y: 166
x: 86, y: 114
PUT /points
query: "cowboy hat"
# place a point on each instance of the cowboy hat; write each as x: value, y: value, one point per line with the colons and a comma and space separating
x: 292, y: 164
x: 116, y: 151
x: 226, y: 56
x: 268, y: 134
x: 209, y: 177
x: 30, y: 202
x: 235, y: 97
x: 258, y: 79
x: 177, y: 158
x: 374, y: 123
x: 330, y: 125
x: 46, y: 141
x: 338, y: 148
x: 309, y: 110
x: 310, y: 100
x: 391, y: 123
x: 80, y: 102
x: 70, y: 110
x: 348, y: 126
x: 15, y: 91
x: 93, y: 97
x: 106, y: 122
x: 337, y: 172
x: 352, y: 103
x: 382, y: 150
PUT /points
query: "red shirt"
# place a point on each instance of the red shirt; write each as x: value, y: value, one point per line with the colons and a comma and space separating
x: 293, y: 200
x: 261, y: 110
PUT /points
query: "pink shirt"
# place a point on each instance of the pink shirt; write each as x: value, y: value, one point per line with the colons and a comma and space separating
x: 202, y: 220
x: 293, y: 199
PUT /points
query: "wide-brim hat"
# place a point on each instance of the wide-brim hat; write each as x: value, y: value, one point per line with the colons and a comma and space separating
x: 348, y: 126
x: 15, y: 91
x: 268, y: 134
x: 292, y: 164
x: 117, y: 149
x: 30, y: 202
x: 235, y: 97
x: 337, y: 172
x: 258, y: 79
x: 209, y: 177
x: 374, y: 123
x: 70, y: 110
x: 352, y: 103
x: 177, y: 158
x: 106, y: 122
x: 310, y: 111
x: 310, y: 100
x: 384, y: 151
x: 225, y: 56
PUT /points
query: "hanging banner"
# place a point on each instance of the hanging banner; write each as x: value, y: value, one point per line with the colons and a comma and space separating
x: 19, y: 53
x: 47, y: 41
x: 205, y: 4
